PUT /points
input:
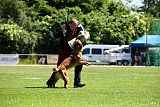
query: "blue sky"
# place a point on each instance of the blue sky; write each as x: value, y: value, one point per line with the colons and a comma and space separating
x: 134, y: 2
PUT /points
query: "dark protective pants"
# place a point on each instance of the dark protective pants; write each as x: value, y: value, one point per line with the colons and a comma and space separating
x: 77, y: 76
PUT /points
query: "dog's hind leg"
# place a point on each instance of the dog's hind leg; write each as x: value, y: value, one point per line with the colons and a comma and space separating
x: 53, y: 79
x: 64, y: 76
x: 56, y: 78
x: 66, y: 79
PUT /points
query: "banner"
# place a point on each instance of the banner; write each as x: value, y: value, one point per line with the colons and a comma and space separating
x: 52, y: 59
x: 9, y: 59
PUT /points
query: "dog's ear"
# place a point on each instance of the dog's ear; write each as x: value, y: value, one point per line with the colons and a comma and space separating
x: 76, y: 44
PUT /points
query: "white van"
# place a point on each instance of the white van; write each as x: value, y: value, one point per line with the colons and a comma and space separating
x: 95, y: 53
x: 119, y: 56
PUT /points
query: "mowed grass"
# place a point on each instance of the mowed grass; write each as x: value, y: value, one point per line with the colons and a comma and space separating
x: 24, y: 86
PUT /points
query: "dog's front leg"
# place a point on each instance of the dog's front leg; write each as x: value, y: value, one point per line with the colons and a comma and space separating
x: 84, y: 63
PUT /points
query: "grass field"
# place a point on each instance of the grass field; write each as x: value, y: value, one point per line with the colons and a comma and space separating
x: 24, y: 86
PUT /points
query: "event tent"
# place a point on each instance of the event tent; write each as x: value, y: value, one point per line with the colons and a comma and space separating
x: 152, y: 45
x: 147, y: 41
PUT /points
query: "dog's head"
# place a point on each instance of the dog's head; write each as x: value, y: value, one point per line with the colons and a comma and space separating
x: 78, y: 46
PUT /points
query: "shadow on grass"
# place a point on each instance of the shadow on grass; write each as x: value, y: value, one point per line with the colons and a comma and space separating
x: 49, y: 87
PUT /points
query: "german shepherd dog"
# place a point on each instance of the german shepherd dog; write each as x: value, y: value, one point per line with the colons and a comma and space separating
x: 73, y: 60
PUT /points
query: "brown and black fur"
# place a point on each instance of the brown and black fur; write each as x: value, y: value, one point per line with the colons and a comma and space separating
x: 73, y: 60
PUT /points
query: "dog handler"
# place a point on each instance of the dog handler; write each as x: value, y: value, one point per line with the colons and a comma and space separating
x: 67, y: 33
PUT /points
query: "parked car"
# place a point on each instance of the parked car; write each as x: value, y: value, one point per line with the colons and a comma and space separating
x: 95, y: 53
x: 119, y: 56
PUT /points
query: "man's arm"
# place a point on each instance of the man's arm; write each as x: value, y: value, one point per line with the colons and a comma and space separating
x: 61, y: 31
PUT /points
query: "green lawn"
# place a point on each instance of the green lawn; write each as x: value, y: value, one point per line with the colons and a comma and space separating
x: 24, y: 86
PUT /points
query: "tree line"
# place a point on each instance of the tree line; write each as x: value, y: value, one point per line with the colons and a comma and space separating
x: 28, y: 26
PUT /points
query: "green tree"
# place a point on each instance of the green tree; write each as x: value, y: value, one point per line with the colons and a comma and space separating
x: 14, y: 40
x: 17, y: 27
x: 35, y: 22
x: 152, y: 7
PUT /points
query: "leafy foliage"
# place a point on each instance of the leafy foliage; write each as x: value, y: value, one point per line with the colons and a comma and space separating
x: 152, y: 7
x: 28, y: 26
x: 13, y: 39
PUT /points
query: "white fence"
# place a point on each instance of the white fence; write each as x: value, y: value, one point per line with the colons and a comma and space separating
x: 51, y: 59
x: 14, y: 59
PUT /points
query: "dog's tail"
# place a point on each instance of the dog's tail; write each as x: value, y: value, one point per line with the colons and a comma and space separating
x: 55, y: 69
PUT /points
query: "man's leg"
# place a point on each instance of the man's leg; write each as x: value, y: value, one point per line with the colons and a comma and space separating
x: 77, y: 77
